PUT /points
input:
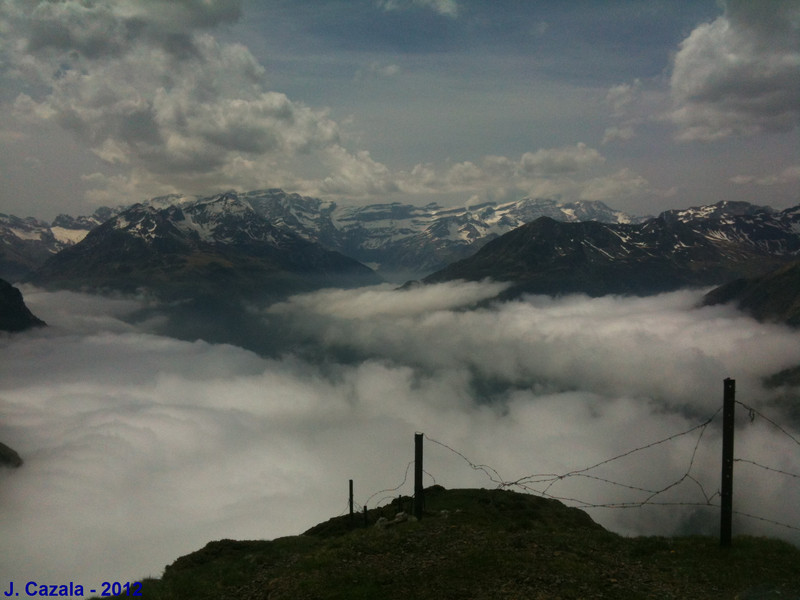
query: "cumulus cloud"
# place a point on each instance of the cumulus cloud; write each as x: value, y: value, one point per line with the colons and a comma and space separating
x: 168, y: 108
x: 172, y: 116
x: 139, y: 448
x: 357, y: 174
x: 102, y: 28
x: 569, y: 172
x: 148, y: 90
x: 738, y: 74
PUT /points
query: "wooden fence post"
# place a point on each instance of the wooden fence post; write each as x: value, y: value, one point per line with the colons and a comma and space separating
x: 726, y: 493
x: 419, y: 501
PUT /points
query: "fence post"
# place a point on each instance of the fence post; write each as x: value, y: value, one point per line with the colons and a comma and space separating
x: 726, y: 493
x: 418, y: 494
x: 351, y: 502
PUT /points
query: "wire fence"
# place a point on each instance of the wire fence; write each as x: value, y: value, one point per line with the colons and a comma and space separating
x: 544, y: 484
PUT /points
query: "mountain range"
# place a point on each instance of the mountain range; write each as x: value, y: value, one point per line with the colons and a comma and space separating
x: 696, y: 247
x: 177, y: 248
x: 399, y: 241
x: 26, y: 243
x: 269, y: 243
x: 403, y: 241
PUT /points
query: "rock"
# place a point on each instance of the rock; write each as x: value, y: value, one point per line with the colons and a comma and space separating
x: 8, y: 457
x: 14, y: 315
x: 401, y: 517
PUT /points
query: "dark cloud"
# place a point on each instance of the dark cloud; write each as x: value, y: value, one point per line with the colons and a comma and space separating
x: 99, y: 29
x: 92, y: 31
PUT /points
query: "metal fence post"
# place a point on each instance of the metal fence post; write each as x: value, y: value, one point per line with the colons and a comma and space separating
x: 726, y: 493
x: 350, y: 502
x: 418, y: 493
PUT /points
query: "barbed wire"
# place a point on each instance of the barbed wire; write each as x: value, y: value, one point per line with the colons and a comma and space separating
x: 533, y: 482
x: 766, y: 468
x: 394, y: 489
x: 490, y: 472
x: 754, y: 412
x: 527, y: 482
x: 765, y: 520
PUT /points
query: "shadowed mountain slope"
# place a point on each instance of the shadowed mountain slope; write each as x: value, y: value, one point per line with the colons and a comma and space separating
x: 771, y: 297
x: 663, y: 254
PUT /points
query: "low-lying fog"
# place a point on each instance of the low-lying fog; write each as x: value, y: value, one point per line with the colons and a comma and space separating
x: 140, y: 447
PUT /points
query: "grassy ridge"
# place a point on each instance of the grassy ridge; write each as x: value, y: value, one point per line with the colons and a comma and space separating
x: 486, y: 544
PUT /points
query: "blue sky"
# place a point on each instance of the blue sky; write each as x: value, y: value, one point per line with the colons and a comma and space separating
x: 645, y: 105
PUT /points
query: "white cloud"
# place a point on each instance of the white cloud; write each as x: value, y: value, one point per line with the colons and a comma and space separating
x: 546, y: 341
x: 623, y: 184
x: 622, y: 134
x: 386, y: 300
x: 629, y: 109
x: 621, y: 96
x: 561, y: 160
x: 376, y: 69
x: 149, y: 447
x: 786, y: 176
x: 738, y: 74
x: 356, y: 175
x: 570, y: 173
x: 187, y: 116
x: 448, y: 8
x: 147, y: 90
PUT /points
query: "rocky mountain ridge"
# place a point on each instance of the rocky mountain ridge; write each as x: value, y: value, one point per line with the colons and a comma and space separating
x: 180, y: 248
x: 696, y: 247
x: 400, y: 241
x: 26, y: 243
x: 403, y: 241
x: 598, y: 250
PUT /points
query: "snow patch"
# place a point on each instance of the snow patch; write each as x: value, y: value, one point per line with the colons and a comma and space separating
x: 26, y: 234
x: 69, y: 236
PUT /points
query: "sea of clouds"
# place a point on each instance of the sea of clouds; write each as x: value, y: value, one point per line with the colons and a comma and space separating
x: 140, y: 447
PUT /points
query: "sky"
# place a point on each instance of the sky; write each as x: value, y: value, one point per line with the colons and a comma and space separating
x: 646, y: 106
x: 140, y: 448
